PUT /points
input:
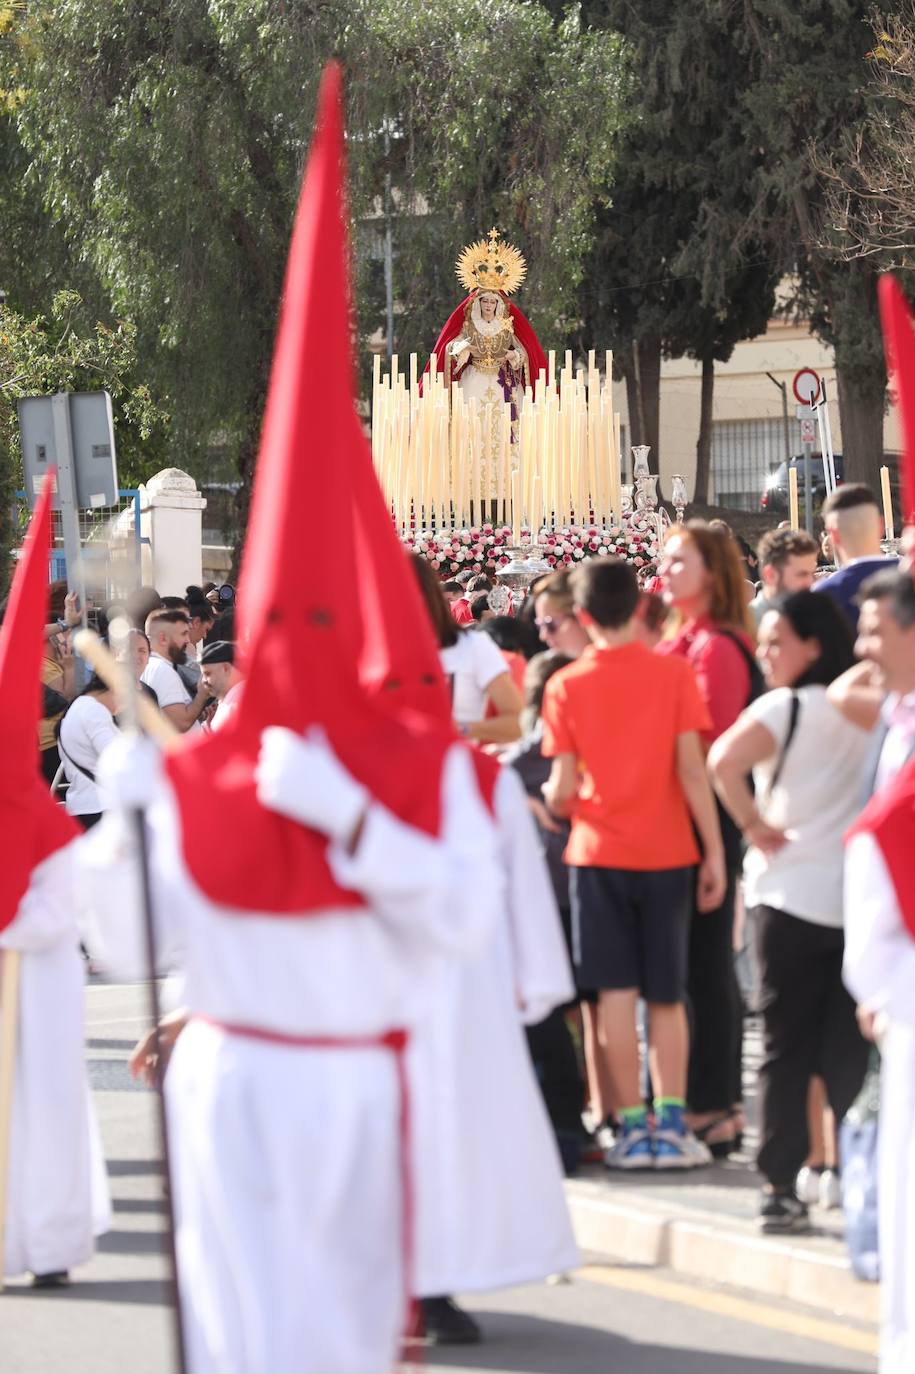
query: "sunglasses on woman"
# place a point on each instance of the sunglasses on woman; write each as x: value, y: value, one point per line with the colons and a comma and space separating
x: 551, y: 623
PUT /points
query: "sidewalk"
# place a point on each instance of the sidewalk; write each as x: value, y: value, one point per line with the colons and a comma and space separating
x: 703, y: 1224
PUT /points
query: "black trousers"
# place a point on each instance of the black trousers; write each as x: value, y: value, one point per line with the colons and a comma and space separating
x: 714, y: 1081
x: 555, y: 1061
x: 809, y: 1027
x: 556, y: 1066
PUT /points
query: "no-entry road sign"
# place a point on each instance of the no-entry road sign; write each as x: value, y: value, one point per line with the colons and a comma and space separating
x: 806, y: 386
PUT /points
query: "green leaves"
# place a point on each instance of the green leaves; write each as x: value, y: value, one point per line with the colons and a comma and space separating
x: 67, y: 351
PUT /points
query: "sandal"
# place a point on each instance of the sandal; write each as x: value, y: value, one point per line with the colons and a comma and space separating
x: 723, y: 1145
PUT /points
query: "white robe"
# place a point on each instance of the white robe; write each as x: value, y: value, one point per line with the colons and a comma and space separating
x: 491, y: 1209
x: 880, y: 973
x: 57, y: 1197
x: 287, y: 1160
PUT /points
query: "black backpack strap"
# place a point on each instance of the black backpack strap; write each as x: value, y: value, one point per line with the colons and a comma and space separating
x: 85, y: 771
x: 757, y: 682
x: 789, y: 736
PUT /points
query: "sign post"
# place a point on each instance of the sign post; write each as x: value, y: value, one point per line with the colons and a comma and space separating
x: 808, y: 432
x: 72, y: 432
x: 66, y: 495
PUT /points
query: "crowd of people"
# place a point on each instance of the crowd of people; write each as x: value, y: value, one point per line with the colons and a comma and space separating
x: 416, y: 851
x: 692, y: 755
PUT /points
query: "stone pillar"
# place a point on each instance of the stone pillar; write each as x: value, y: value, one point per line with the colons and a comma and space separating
x: 173, y: 507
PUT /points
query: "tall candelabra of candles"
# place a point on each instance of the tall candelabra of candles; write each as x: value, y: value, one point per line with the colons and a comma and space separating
x: 446, y: 463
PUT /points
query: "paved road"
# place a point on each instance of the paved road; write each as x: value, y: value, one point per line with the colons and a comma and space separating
x: 609, y: 1318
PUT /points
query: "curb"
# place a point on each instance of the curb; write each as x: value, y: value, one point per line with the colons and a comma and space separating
x: 724, y: 1250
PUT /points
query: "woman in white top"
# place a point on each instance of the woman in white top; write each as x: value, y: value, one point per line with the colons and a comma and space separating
x: 474, y: 667
x: 86, y: 729
x: 807, y: 763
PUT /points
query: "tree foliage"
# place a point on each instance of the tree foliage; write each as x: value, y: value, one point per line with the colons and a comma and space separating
x: 871, y: 175
x: 807, y: 71
x: 168, y: 141
x: 66, y: 351
x: 678, y: 265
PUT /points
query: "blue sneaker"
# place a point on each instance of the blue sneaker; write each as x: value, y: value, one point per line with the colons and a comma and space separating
x: 632, y: 1149
x: 675, y: 1149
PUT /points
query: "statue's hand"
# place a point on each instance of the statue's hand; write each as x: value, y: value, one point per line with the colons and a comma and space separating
x: 513, y: 357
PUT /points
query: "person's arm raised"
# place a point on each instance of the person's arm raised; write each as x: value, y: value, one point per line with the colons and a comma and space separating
x: 858, y: 695
x: 185, y: 714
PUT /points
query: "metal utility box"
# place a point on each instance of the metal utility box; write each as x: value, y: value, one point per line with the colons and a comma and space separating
x: 74, y: 433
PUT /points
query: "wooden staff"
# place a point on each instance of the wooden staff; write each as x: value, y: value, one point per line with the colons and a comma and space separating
x: 131, y: 703
x: 9, y: 1027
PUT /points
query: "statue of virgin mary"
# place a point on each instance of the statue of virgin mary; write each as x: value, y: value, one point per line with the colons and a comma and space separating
x: 487, y: 345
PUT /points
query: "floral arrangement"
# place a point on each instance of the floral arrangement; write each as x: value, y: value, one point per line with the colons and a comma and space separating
x: 485, y: 548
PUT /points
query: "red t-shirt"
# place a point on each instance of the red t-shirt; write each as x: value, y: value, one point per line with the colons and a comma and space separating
x: 620, y: 712
x: 721, y: 670
x: 461, y: 611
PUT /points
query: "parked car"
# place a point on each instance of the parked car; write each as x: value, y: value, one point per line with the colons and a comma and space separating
x: 775, y: 493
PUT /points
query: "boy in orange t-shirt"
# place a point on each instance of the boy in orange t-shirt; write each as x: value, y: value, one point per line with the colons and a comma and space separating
x: 622, y: 726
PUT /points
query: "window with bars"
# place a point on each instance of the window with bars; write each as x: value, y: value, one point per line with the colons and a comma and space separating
x: 744, y: 452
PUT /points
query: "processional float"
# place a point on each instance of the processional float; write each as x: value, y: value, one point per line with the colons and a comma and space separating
x: 494, y: 449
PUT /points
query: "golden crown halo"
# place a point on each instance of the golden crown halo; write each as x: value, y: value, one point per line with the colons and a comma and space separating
x: 489, y: 265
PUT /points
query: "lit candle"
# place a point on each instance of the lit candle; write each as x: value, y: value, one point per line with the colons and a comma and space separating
x: 887, y: 503
x: 794, y: 515
x: 484, y: 436
x: 516, y: 509
x: 501, y: 467
x: 536, y: 508
x: 616, y: 469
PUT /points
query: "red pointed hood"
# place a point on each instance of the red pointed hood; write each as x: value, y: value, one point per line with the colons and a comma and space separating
x: 899, y: 345
x: 33, y: 826
x: 300, y: 622
x: 399, y: 663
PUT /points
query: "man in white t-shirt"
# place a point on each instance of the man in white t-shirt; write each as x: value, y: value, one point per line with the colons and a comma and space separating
x: 223, y: 680
x: 168, y: 632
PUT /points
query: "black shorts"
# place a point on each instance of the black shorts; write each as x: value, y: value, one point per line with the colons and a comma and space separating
x: 630, y: 930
